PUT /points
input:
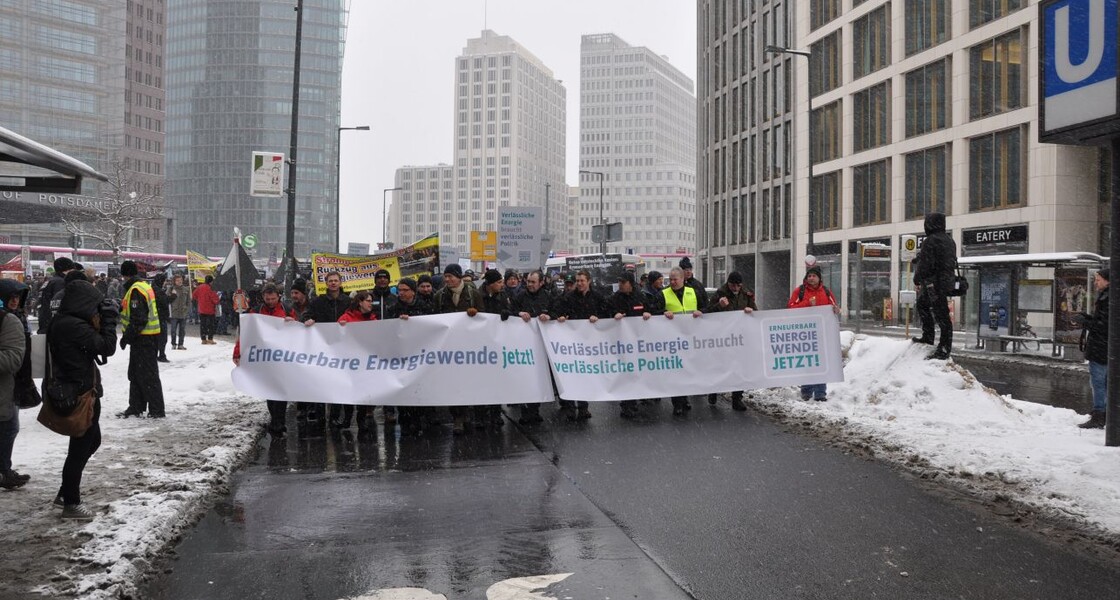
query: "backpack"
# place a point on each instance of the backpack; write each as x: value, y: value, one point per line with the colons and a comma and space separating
x: 827, y: 293
x: 25, y: 393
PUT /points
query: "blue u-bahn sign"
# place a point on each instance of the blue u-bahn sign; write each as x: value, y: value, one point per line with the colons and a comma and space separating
x: 1078, y: 71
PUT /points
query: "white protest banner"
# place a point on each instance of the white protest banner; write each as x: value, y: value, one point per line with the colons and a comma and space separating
x: 719, y: 352
x: 437, y: 360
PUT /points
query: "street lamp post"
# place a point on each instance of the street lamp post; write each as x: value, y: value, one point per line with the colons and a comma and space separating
x: 384, y: 213
x: 338, y: 182
x: 809, y: 248
x: 602, y: 220
x: 290, y: 228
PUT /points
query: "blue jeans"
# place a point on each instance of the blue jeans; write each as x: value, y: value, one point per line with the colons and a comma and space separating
x: 816, y: 390
x: 178, y: 330
x: 8, y: 431
x: 1098, y: 377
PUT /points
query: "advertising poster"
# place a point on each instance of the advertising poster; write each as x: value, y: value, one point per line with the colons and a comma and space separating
x: 1073, y: 295
x: 995, y: 302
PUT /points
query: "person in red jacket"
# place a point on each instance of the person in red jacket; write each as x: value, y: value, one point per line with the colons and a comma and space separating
x: 812, y: 292
x: 270, y: 306
x: 361, y: 309
x: 207, y: 300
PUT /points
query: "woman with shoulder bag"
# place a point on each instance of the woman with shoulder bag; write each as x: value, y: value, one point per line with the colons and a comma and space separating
x: 83, y: 330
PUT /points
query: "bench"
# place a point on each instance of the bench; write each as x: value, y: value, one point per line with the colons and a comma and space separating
x: 1022, y: 340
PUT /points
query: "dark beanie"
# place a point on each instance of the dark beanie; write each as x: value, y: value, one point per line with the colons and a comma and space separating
x: 492, y: 276
x: 735, y: 277
x: 425, y: 278
x: 300, y: 285
x: 815, y: 270
x: 408, y: 282
x: 654, y: 276
x: 128, y: 268
x: 453, y: 269
x: 1104, y: 273
x: 62, y: 264
x: 76, y: 275
x: 685, y: 263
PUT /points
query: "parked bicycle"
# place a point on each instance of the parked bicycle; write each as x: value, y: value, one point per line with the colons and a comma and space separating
x: 1023, y: 329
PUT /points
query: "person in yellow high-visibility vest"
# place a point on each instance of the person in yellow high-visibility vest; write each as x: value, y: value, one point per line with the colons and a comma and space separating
x: 680, y: 298
x: 140, y: 319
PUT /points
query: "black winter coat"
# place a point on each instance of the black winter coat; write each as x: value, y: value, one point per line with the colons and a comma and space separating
x: 630, y: 305
x: 937, y: 259
x: 323, y: 309
x: 383, y: 302
x: 1096, y: 345
x: 73, y: 340
x: 54, y: 286
x: 497, y: 304
x: 536, y: 304
x: 574, y: 305
x: 654, y: 300
x: 417, y: 308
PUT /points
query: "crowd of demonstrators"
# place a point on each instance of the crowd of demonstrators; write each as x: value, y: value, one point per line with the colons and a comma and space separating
x: 1095, y: 328
x: 813, y: 292
x: 935, y: 267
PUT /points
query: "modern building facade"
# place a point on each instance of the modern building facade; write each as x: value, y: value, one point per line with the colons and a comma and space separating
x: 62, y: 84
x: 637, y: 134
x: 229, y: 93
x: 422, y: 205
x: 903, y: 107
x: 922, y: 106
x: 508, y: 148
x: 144, y: 116
x: 745, y: 128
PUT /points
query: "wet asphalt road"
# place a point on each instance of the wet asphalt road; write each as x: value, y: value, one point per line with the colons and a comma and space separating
x: 718, y: 505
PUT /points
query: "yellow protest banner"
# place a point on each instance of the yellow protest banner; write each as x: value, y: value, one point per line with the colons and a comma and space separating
x: 199, y: 265
x: 357, y: 271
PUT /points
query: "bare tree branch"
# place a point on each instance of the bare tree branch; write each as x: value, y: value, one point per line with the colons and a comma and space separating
x: 124, y: 207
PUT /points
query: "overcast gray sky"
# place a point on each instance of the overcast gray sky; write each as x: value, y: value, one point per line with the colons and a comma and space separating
x: 398, y: 76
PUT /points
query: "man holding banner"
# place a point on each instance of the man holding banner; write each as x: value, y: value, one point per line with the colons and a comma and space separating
x: 627, y: 302
x: 457, y: 296
x: 580, y: 303
x: 680, y: 298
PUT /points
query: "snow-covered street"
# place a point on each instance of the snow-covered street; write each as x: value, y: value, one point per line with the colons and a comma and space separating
x: 152, y: 478
x: 149, y: 479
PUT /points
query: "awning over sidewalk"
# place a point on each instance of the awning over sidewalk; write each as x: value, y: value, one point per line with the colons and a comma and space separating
x: 39, y: 184
x: 55, y: 172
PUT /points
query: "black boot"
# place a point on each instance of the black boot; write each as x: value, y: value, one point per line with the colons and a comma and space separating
x: 737, y: 401
x: 942, y: 353
x: 1096, y: 420
x: 928, y: 340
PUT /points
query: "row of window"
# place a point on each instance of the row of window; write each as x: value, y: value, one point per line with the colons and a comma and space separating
x: 927, y: 15
x: 997, y: 175
x: 996, y: 85
x: 761, y: 216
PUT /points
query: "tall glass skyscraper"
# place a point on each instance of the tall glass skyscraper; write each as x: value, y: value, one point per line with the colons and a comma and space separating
x: 229, y: 93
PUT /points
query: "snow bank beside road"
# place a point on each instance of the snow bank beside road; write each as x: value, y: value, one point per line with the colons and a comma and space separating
x: 149, y: 480
x: 935, y: 413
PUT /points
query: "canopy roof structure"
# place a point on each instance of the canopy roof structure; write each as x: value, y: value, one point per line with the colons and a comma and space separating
x: 39, y: 184
x: 1042, y: 259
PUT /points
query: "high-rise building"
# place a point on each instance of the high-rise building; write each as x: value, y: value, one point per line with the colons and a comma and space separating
x: 508, y: 147
x: 891, y: 110
x: 638, y: 130
x: 424, y: 193
x: 144, y: 117
x: 745, y: 177
x: 229, y: 93
x: 86, y: 79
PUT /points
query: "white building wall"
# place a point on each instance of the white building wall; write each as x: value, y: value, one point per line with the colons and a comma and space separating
x: 637, y: 127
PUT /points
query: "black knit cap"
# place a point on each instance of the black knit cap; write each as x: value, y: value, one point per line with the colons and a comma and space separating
x: 1104, y: 273
x: 128, y: 268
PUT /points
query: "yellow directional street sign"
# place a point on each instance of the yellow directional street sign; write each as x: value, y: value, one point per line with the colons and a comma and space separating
x: 484, y: 245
